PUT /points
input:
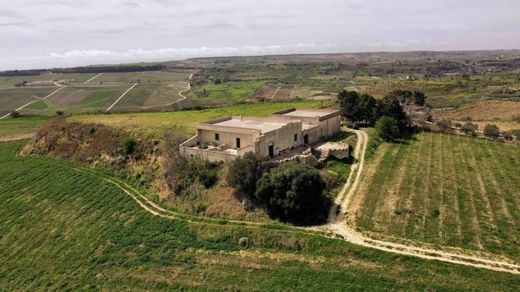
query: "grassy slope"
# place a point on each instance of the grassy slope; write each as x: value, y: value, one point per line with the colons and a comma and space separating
x: 153, y: 122
x: 148, y: 76
x: 10, y: 99
x: 445, y: 190
x: 63, y: 229
x: 452, y: 91
x: 227, y: 92
x: 146, y: 95
x: 20, y: 126
x: 9, y: 82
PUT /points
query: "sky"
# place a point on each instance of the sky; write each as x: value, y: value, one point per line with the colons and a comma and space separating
x: 64, y: 33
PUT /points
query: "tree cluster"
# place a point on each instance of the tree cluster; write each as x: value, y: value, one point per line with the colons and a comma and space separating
x: 364, y: 108
x: 387, y: 128
x: 289, y: 192
x: 408, y: 97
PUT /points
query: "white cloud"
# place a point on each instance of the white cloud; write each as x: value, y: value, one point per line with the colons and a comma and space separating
x: 48, y: 33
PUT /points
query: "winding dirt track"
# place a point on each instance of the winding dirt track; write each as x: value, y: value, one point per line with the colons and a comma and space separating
x: 181, y: 93
x: 336, y: 226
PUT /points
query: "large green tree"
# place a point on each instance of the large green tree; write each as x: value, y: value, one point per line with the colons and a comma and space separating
x: 391, y: 107
x: 294, y: 193
x: 244, y: 172
x: 387, y: 128
x: 348, y: 101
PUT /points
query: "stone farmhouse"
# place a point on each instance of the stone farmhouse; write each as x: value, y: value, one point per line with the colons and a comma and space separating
x: 225, y: 138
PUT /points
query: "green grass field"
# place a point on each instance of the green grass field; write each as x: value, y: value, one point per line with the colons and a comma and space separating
x: 11, y: 128
x: 150, y: 96
x: 445, y: 190
x: 64, y: 229
x: 10, y: 82
x: 224, y: 93
x: 10, y: 99
x: 452, y: 91
x: 144, y: 77
x: 153, y: 122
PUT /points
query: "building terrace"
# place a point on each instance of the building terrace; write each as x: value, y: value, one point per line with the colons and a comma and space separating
x: 226, y: 138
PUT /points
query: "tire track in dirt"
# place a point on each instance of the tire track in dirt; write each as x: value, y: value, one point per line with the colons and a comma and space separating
x: 475, y: 220
x: 456, y: 181
x: 499, y: 190
x: 490, y: 214
x: 407, y: 201
x: 427, y: 198
x: 442, y: 208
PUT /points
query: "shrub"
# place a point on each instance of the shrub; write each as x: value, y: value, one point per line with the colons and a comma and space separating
x: 387, y: 128
x: 508, y: 136
x: 184, y: 172
x: 15, y: 114
x: 516, y: 118
x: 128, y: 146
x: 244, y: 172
x: 491, y: 131
x: 469, y: 128
x: 294, y: 193
x: 443, y: 124
x: 207, y: 175
x: 516, y: 133
x: 59, y: 113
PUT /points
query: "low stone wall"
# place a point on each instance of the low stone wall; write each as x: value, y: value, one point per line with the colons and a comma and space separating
x: 209, y: 155
x: 187, y: 149
x: 340, y: 152
x: 306, y: 158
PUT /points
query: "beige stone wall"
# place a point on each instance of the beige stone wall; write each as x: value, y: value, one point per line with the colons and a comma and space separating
x: 282, y: 139
x: 314, y: 135
x: 205, y: 154
x: 225, y: 137
x: 329, y: 127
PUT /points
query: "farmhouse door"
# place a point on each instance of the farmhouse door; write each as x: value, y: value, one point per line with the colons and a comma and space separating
x: 271, y: 151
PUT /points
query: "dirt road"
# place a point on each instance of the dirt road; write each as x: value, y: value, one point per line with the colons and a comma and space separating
x: 122, y: 95
x: 181, y: 93
x: 336, y: 226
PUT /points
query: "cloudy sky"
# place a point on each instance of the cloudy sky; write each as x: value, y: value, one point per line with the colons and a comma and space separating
x: 57, y: 33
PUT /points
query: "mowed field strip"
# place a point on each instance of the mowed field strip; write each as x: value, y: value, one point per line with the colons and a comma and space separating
x: 444, y: 190
x: 122, y: 95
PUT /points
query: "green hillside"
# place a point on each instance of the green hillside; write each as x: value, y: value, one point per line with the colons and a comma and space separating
x: 66, y: 229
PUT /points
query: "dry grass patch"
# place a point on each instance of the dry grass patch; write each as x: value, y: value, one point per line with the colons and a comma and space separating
x: 484, y: 110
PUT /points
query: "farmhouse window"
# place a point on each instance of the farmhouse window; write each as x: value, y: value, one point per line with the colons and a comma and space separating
x: 217, y: 136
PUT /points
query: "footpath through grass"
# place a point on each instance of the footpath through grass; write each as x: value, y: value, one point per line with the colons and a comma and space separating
x: 64, y: 229
x: 445, y: 190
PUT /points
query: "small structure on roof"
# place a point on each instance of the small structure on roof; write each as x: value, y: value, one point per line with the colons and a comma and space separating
x: 226, y: 138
